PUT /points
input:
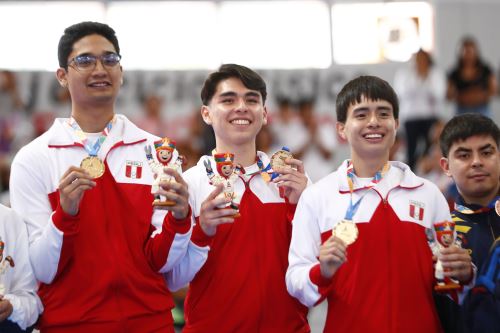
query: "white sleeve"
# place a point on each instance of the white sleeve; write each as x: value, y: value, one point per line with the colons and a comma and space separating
x: 29, y: 198
x: 168, y: 243
x: 197, y: 251
x: 186, y: 269
x: 304, y: 250
x: 22, y: 290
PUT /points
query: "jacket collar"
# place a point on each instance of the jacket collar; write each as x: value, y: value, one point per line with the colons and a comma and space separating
x: 410, y: 180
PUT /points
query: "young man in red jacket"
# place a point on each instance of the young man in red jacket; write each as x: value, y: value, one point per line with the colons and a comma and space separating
x: 95, y: 243
x: 359, y: 235
x: 236, y: 265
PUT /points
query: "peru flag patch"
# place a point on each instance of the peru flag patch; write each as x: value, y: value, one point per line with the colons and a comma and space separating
x: 133, y: 169
x: 417, y: 210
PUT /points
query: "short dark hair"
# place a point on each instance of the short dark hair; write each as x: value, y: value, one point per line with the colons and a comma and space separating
x: 248, y: 77
x: 463, y: 126
x: 76, y: 32
x: 369, y: 87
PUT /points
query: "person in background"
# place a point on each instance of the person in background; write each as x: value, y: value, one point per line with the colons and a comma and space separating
x: 19, y: 303
x: 97, y: 246
x: 421, y: 90
x: 471, y: 157
x: 471, y: 83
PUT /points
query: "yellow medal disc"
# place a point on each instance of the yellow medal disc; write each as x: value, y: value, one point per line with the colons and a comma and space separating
x: 278, y: 159
x: 93, y: 165
x: 346, y: 230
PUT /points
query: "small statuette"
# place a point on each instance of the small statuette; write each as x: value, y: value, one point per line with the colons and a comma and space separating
x: 227, y: 174
x: 165, y: 149
x: 347, y: 231
x: 445, y: 237
x: 93, y: 165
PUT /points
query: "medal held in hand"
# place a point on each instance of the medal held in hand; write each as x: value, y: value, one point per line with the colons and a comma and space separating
x: 346, y: 230
x: 93, y: 165
x: 497, y: 207
x: 279, y: 157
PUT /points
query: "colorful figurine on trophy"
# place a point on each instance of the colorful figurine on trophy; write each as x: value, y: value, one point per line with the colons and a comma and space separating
x: 165, y: 149
x: 445, y: 236
x: 4, y: 264
x: 227, y: 175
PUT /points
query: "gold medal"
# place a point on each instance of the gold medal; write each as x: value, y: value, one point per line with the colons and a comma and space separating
x: 497, y: 207
x: 278, y: 159
x: 346, y: 230
x: 93, y: 165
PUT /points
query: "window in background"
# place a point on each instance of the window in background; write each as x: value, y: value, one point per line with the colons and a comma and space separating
x: 175, y: 35
x: 166, y: 35
x: 371, y: 33
x: 274, y: 34
x: 31, y: 30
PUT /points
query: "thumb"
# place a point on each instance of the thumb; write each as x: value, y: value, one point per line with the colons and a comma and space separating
x: 218, y: 190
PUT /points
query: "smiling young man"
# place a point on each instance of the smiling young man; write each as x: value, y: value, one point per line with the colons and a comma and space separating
x: 236, y: 265
x: 95, y: 243
x: 471, y: 157
x: 359, y: 234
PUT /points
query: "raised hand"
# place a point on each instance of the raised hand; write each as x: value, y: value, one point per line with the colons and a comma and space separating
x: 292, y: 179
x: 73, y: 184
x: 457, y: 263
x: 177, y: 192
x: 332, y: 254
x: 211, y: 216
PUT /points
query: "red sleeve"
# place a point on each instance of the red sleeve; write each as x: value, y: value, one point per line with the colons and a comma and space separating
x: 158, y: 247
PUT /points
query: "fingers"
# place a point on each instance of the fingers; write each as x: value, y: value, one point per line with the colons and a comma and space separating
x: 213, y: 195
x: 456, y: 262
x: 74, y: 182
x: 5, y: 309
x: 211, y: 216
x: 296, y: 164
x: 332, y: 255
x: 175, y: 190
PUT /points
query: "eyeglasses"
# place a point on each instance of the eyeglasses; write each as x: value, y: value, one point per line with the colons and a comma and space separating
x: 87, y: 62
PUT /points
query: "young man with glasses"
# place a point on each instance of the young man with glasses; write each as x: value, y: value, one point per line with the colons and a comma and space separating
x: 359, y: 234
x: 96, y: 245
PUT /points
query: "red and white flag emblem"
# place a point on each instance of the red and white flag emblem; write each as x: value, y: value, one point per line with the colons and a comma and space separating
x: 417, y: 210
x: 133, y: 169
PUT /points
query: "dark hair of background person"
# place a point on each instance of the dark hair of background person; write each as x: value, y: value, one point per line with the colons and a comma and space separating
x: 463, y: 126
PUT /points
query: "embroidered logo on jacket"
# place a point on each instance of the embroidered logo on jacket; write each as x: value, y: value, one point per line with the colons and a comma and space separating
x: 417, y: 210
x: 133, y: 169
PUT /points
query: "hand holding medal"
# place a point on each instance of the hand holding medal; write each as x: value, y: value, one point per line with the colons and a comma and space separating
x: 289, y: 174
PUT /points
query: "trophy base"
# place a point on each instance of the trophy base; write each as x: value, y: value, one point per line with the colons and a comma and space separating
x: 236, y: 215
x: 166, y: 203
x: 447, y: 287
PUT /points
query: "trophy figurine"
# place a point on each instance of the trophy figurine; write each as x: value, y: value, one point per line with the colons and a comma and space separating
x: 4, y: 264
x: 165, y: 149
x: 227, y: 174
x: 445, y: 236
